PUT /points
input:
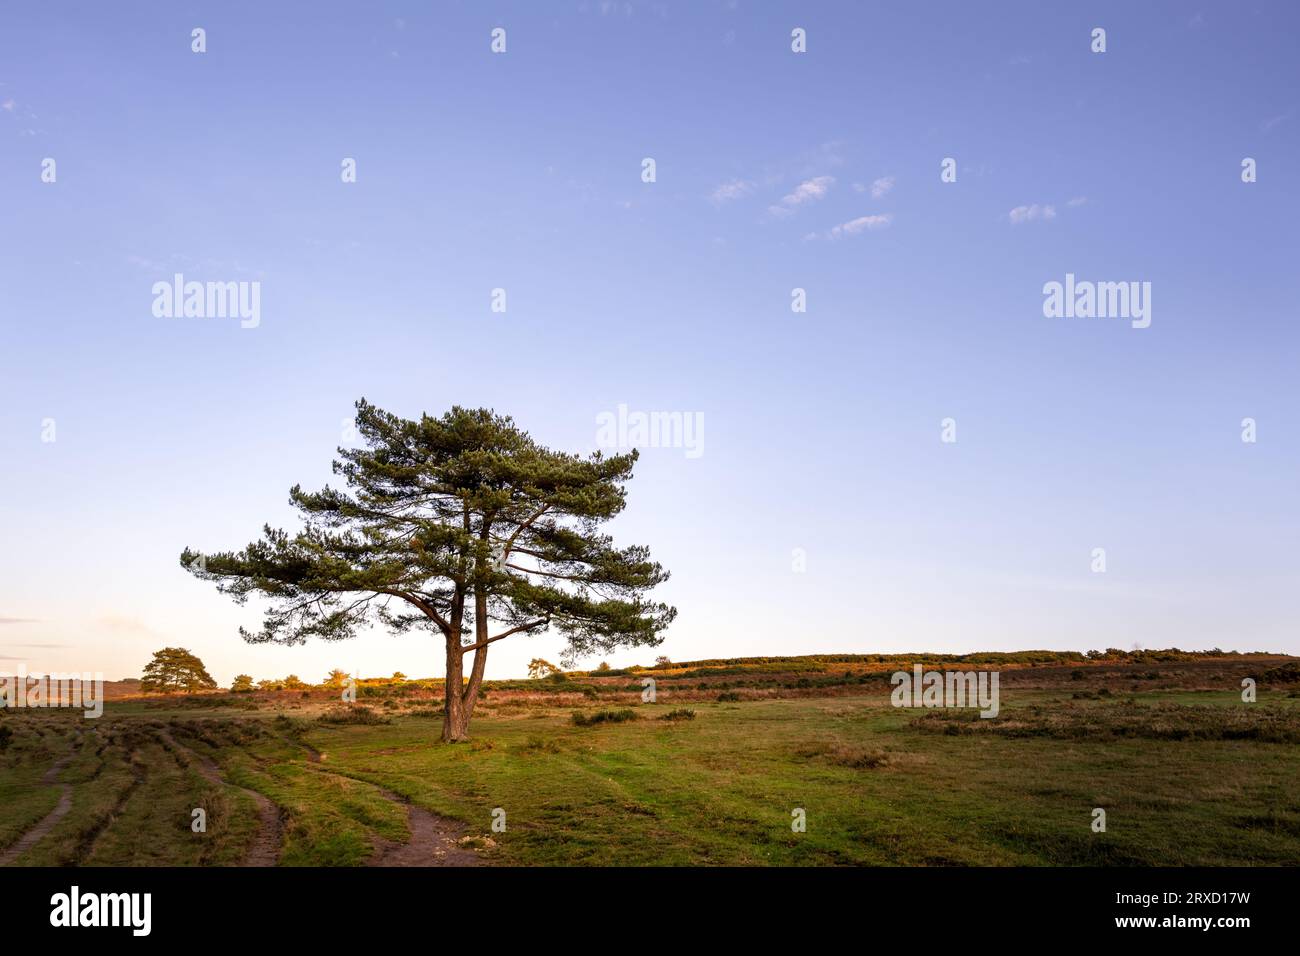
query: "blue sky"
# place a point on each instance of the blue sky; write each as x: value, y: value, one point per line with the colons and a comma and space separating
x: 522, y: 171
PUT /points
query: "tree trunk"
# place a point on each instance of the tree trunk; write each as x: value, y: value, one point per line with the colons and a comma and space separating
x: 475, y: 681
x: 480, y: 655
x: 455, y: 726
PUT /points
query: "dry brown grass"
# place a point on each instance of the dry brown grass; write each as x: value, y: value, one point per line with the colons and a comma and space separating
x: 1071, y: 720
x: 859, y: 758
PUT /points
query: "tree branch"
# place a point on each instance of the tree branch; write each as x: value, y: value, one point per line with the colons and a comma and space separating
x: 514, y: 630
x: 424, y: 606
x: 510, y: 542
x: 547, y: 574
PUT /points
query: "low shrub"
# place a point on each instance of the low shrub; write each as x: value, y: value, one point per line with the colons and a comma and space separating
x: 1285, y: 674
x: 427, y: 712
x: 602, y: 717
x: 1124, y: 720
x: 354, y: 714
x: 289, y: 726
x: 857, y: 758
x: 681, y: 713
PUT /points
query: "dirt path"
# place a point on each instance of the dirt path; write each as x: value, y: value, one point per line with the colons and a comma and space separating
x: 265, y: 849
x: 46, y: 823
x: 435, y: 840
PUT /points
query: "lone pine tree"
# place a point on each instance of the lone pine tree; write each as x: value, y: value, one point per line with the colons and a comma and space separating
x: 450, y: 524
x: 175, y: 669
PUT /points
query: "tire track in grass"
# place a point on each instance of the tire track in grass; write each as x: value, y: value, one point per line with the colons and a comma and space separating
x: 47, y: 822
x: 86, y: 846
x: 266, y: 846
x: 435, y: 840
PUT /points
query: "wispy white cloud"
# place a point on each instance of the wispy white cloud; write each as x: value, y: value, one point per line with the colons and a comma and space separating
x: 728, y: 191
x: 608, y: 8
x: 1078, y: 201
x: 856, y: 226
x: 1032, y: 213
x: 881, y: 186
x: 827, y: 155
x: 123, y: 624
x: 810, y: 190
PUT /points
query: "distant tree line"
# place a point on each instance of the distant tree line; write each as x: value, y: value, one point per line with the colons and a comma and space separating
x: 179, y: 670
x: 335, y: 680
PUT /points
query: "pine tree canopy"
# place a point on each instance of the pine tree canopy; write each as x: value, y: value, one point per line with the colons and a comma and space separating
x: 175, y: 668
x: 448, y: 524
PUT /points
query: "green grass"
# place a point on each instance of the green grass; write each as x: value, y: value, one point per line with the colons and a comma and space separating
x: 1185, y: 777
x: 332, y: 819
x: 721, y: 788
x: 100, y: 782
x: 153, y: 826
x: 24, y: 799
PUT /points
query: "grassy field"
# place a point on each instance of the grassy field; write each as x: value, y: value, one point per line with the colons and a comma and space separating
x: 1186, y: 772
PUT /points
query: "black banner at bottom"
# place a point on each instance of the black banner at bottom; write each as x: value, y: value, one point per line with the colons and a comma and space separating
x: 323, y: 905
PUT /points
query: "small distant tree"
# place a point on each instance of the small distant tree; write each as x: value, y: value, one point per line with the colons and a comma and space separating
x: 662, y: 661
x: 175, y: 669
x: 398, y: 677
x: 336, y: 679
x: 538, y: 668
x: 602, y: 666
x: 270, y: 684
x: 243, y: 684
x: 449, y: 524
x: 293, y: 682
